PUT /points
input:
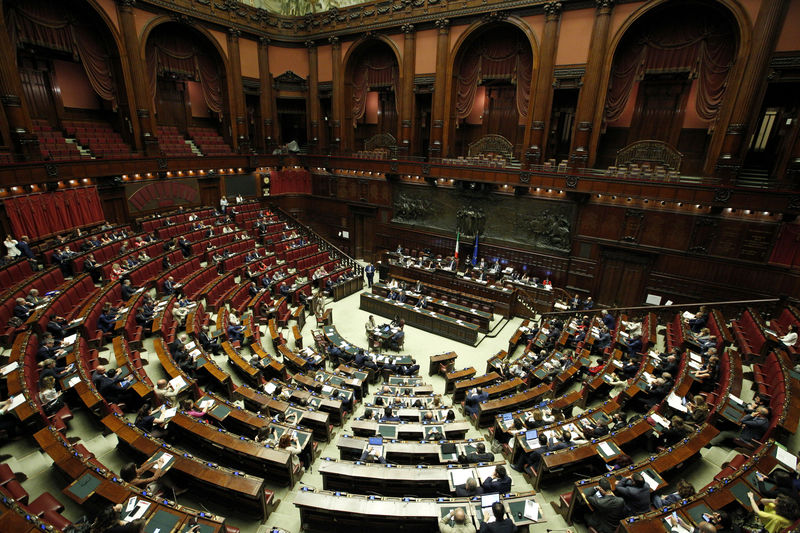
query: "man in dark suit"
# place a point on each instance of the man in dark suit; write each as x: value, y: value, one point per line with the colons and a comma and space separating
x: 235, y: 333
x: 55, y: 327
x: 468, y: 489
x: 47, y: 350
x: 24, y: 247
x: 209, y: 344
x: 369, y: 272
x: 473, y: 401
x: 609, y: 320
x: 479, y: 456
x: 106, y: 321
x: 636, y: 494
x: 753, y: 428
x: 501, y: 523
x: 185, y: 246
x: 21, y: 309
x: 169, y: 285
x: 533, y: 456
x: 127, y: 290
x: 110, y: 384
x: 609, y: 508
x: 498, y: 482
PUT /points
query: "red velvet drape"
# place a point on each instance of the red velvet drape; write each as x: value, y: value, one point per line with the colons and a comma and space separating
x: 50, y: 25
x: 174, y: 54
x: 495, y: 57
x: 376, y: 69
x: 703, y: 44
x: 787, y: 247
x: 39, y: 215
x: 290, y: 182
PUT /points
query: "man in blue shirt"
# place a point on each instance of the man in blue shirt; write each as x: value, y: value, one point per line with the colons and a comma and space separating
x: 369, y: 271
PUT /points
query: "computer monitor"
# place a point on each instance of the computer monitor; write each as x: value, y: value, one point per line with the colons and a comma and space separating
x: 487, y: 500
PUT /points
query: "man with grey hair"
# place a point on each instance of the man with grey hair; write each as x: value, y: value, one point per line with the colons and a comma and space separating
x: 468, y: 489
x: 460, y: 522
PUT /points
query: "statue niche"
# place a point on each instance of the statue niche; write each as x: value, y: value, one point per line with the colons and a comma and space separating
x: 470, y: 221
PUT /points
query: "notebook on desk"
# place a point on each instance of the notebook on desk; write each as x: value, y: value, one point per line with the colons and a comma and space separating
x: 376, y: 444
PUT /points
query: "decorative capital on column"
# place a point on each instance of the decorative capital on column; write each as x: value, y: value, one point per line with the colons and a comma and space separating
x: 604, y: 4
x: 310, y: 44
x: 407, y: 28
x: 494, y: 16
x: 264, y: 41
x: 443, y: 25
x: 126, y: 3
x: 335, y: 41
x: 234, y: 33
x: 552, y: 10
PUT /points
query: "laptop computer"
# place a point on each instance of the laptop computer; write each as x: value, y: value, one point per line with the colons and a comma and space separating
x: 487, y: 500
x: 376, y: 444
x: 531, y: 435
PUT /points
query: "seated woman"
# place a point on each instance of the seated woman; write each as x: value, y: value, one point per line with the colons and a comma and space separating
x: 134, y: 475
x: 116, y: 272
x: 708, y: 375
x: 49, y: 396
x: 697, y: 410
x: 190, y: 408
x: 147, y: 421
x: 289, y: 442
x: 778, y: 513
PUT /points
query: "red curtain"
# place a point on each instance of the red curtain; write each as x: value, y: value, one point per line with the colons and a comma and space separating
x: 669, y: 41
x: 290, y: 182
x: 378, y: 68
x: 39, y: 215
x: 50, y: 25
x: 495, y: 57
x: 174, y: 54
x: 787, y: 247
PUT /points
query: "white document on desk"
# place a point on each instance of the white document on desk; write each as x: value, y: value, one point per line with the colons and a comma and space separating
x: 484, y: 472
x: 674, y: 401
x: 786, y: 458
x: 606, y: 449
x: 531, y: 510
x: 652, y: 483
x: 10, y: 368
x: 459, y: 476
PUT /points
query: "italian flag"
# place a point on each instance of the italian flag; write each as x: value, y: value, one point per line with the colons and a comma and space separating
x: 458, y: 236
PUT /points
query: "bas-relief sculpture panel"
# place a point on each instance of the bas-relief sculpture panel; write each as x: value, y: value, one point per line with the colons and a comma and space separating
x: 526, y: 222
x: 300, y: 7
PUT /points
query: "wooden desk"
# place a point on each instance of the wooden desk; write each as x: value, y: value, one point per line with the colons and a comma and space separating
x: 318, y: 421
x: 324, y: 511
x: 482, y: 319
x: 245, y: 492
x: 431, y: 321
x: 457, y: 375
x: 460, y: 388
x: 429, y: 481
x: 403, y: 452
x: 441, y: 359
x: 455, y: 430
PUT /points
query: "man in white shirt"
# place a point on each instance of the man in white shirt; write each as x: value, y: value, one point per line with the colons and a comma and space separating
x: 790, y: 339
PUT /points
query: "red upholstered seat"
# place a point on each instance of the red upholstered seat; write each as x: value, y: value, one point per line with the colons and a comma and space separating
x: 45, y: 502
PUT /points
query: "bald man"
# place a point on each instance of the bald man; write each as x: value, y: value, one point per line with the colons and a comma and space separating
x: 460, y: 522
x: 165, y: 392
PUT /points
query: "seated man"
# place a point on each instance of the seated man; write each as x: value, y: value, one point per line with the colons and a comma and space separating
x: 461, y: 523
x: 127, y: 290
x: 165, y: 392
x: 532, y: 457
x: 169, y: 285
x: 55, y: 327
x: 370, y: 455
x: 473, y: 400
x: 22, y: 310
x: 388, y: 415
x: 469, y: 489
x: 753, y: 428
x: 501, y: 524
x: 110, y: 384
x: 107, y: 319
x: 208, y: 343
x: 609, y: 508
x: 478, y: 456
x: 498, y: 482
x: 636, y: 494
x: 235, y: 333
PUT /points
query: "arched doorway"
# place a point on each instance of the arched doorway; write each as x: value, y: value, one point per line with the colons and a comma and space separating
x: 187, y: 79
x: 492, y: 75
x: 371, y: 94
x: 668, y: 80
x: 71, y: 72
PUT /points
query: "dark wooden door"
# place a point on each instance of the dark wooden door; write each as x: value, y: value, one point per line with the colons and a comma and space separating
x: 660, y: 107
x: 38, y: 89
x: 171, y: 105
x: 622, y: 278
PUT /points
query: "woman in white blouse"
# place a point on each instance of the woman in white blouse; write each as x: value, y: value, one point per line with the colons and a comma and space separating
x: 11, y: 247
